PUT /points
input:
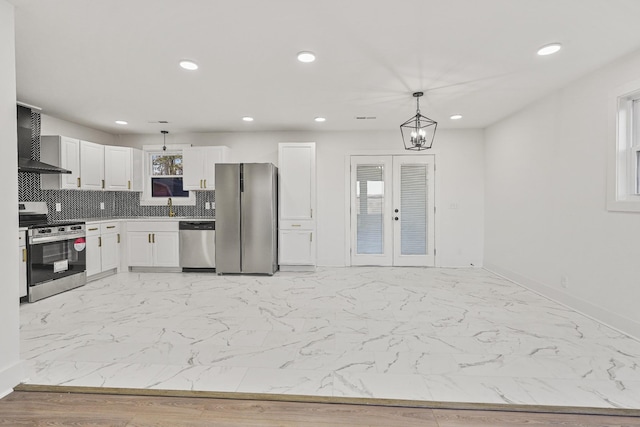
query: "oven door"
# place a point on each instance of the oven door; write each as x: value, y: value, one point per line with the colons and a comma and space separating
x: 57, y: 259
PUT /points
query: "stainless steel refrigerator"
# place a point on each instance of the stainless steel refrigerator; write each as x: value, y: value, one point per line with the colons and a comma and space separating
x: 246, y: 218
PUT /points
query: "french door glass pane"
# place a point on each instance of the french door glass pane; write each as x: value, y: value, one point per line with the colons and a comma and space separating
x: 370, y: 209
x: 413, y: 209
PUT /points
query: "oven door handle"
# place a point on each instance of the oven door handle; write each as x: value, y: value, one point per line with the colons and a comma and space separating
x: 41, y: 240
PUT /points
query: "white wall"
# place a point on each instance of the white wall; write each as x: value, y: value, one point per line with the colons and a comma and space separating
x: 546, y: 217
x: 53, y: 126
x: 10, y: 367
x: 459, y: 180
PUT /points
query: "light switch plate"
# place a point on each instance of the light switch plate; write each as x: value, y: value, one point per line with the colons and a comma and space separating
x: 58, y: 207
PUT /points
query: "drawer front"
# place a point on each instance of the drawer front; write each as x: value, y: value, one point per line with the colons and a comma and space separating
x: 93, y: 229
x: 152, y: 226
x: 110, y: 227
x: 297, y: 225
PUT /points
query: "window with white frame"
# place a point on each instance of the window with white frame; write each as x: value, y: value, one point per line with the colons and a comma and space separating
x: 624, y: 189
x: 163, y: 178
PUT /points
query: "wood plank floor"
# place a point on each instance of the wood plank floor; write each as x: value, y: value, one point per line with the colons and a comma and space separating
x: 27, y: 408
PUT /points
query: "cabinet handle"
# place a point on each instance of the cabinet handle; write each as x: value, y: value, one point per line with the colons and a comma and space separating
x: 311, y: 237
x: 118, y: 237
x: 103, y: 184
x: 296, y: 225
x: 311, y: 213
x: 99, y: 241
x: 111, y: 226
x: 78, y: 182
x: 128, y: 185
x: 153, y: 238
x: 24, y: 255
x: 92, y: 229
x: 205, y: 183
x: 200, y: 183
x: 149, y: 236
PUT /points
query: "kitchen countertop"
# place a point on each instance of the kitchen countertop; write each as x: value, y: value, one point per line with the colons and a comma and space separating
x: 146, y: 218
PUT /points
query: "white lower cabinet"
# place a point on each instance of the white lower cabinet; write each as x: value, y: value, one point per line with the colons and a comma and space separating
x: 297, y: 247
x: 22, y: 257
x: 103, y: 247
x: 153, y: 244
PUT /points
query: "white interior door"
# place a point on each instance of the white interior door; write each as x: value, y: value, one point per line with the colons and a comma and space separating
x: 413, y: 211
x: 371, y: 226
x: 392, y: 210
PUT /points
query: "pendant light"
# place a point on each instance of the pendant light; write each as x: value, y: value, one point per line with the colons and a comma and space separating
x: 419, y: 131
x: 164, y: 139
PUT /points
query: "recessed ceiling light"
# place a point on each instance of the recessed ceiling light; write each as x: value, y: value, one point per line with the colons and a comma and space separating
x: 456, y: 117
x: 188, y: 65
x: 122, y: 122
x: 549, y: 49
x: 306, y: 56
x: 320, y: 119
x: 247, y: 119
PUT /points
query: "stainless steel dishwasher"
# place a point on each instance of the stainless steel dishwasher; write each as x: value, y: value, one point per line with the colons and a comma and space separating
x: 197, y: 245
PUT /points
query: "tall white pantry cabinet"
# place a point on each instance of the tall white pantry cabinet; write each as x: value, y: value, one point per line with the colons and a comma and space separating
x: 297, y: 206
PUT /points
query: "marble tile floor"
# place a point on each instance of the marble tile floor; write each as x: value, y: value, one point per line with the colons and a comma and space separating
x: 463, y: 335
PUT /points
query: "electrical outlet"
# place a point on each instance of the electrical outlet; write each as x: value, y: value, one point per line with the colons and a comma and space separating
x: 213, y: 205
x: 564, y: 281
x: 58, y: 207
x: 101, y: 205
x: 207, y: 205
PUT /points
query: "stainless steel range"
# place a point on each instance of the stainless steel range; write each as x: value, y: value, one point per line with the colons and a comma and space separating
x: 56, y: 252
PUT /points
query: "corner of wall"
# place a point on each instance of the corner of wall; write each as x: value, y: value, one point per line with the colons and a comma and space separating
x: 598, y: 314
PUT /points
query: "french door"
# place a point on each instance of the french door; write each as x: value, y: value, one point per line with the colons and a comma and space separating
x: 392, y: 210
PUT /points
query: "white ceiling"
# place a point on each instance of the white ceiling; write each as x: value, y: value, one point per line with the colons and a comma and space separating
x: 94, y: 62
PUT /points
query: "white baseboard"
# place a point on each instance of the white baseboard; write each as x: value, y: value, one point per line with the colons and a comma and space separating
x: 615, y: 321
x: 10, y: 377
x: 294, y: 268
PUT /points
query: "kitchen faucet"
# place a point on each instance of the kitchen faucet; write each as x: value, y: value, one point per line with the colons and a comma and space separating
x: 170, y: 204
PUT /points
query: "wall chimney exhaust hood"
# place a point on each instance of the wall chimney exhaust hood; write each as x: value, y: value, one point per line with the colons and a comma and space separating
x: 26, y: 163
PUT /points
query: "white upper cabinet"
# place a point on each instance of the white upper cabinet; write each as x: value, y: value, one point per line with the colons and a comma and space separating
x: 297, y: 167
x: 122, y: 168
x: 199, y: 166
x: 91, y: 166
x: 63, y: 152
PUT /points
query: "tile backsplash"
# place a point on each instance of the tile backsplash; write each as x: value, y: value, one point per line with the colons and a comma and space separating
x: 86, y: 204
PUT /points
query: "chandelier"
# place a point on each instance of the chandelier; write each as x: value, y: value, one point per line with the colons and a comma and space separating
x: 418, y: 132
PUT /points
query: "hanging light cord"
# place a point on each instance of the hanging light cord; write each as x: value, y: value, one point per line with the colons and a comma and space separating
x: 164, y: 139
